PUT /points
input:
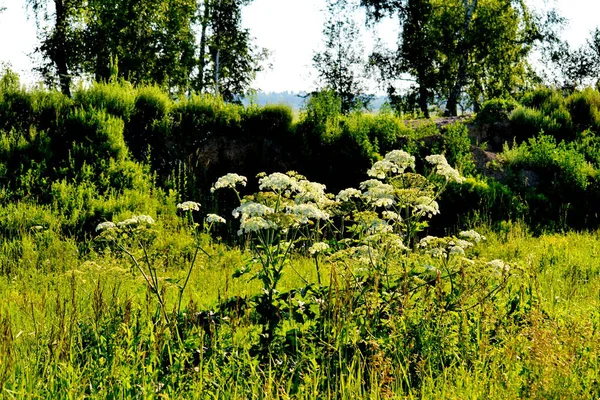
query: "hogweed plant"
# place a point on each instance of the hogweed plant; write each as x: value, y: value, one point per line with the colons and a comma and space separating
x: 288, y: 210
x: 134, y: 236
x: 187, y: 210
x: 127, y: 236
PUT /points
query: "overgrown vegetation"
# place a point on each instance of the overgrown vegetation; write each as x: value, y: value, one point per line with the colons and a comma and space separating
x: 134, y: 262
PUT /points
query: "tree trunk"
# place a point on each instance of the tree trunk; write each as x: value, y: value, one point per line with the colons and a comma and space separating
x: 463, y: 53
x: 202, y: 61
x: 60, y: 54
x: 423, y: 94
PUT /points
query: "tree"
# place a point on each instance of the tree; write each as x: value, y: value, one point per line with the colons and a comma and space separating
x: 453, y: 47
x: 228, y: 62
x: 339, y: 65
x: 60, y: 39
x: 149, y: 41
x: 576, y: 68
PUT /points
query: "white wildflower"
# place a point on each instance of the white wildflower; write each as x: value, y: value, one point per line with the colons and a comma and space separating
x: 443, y: 169
x: 499, y: 265
x: 311, y: 192
x: 105, y: 225
x: 251, y: 209
x: 229, y: 181
x: 401, y: 158
x: 318, y: 248
x: 378, y: 193
x: 143, y: 219
x: 391, y: 215
x: 279, y: 182
x: 347, y: 194
x: 436, y: 159
x: 307, y: 211
x: 427, y: 241
x: 437, y: 252
x: 460, y: 243
x: 427, y: 205
x: 381, y: 169
x: 472, y: 235
x: 457, y: 251
x: 211, y: 218
x: 128, y: 222
x: 378, y: 226
x: 254, y: 224
x: 188, y: 206
x: 396, y: 244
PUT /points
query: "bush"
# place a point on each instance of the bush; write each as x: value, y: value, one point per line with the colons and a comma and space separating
x: 496, y: 110
x: 117, y: 99
x: 584, y: 107
x: 272, y: 122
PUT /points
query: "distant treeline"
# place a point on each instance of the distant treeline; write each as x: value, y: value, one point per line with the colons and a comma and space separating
x: 297, y: 100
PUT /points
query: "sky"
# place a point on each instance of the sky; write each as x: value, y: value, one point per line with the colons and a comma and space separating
x: 290, y: 29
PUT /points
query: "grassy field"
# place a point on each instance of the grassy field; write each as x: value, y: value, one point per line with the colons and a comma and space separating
x: 80, y: 321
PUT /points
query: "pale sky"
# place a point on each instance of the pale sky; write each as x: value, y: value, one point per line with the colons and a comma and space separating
x: 290, y: 29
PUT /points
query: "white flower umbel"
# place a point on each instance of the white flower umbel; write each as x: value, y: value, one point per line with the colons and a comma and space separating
x: 378, y: 193
x: 381, y: 169
x: 251, y: 209
x: 144, y: 219
x: 347, y: 194
x: 105, y: 225
x: 472, y: 235
x: 254, y: 224
x: 391, y: 216
x: 311, y: 192
x: 443, y: 169
x: 402, y: 159
x: 188, y: 206
x: 211, y: 218
x: 130, y: 222
x: 318, y: 248
x: 229, y: 181
x: 428, y: 241
x: 306, y: 212
x: 278, y: 182
x: 426, y: 205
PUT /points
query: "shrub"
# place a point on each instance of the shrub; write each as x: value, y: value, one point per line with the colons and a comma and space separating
x: 584, y: 107
x: 273, y: 122
x: 496, y: 110
x: 117, y: 99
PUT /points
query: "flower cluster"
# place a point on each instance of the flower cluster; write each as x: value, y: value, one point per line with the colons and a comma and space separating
x: 251, y: 209
x: 426, y: 205
x: 443, y: 169
x: 499, y: 266
x: 306, y: 212
x: 212, y: 218
x: 378, y: 193
x: 105, y: 225
x: 347, y: 194
x: 188, y: 206
x: 279, y: 182
x: 135, y: 221
x: 319, y: 247
x: 229, y: 181
x: 472, y: 236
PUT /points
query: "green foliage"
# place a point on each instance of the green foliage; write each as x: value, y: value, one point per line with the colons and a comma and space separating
x: 584, y: 108
x: 555, y: 179
x: 496, y: 110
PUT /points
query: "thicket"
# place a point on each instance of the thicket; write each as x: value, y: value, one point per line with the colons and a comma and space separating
x: 550, y: 156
